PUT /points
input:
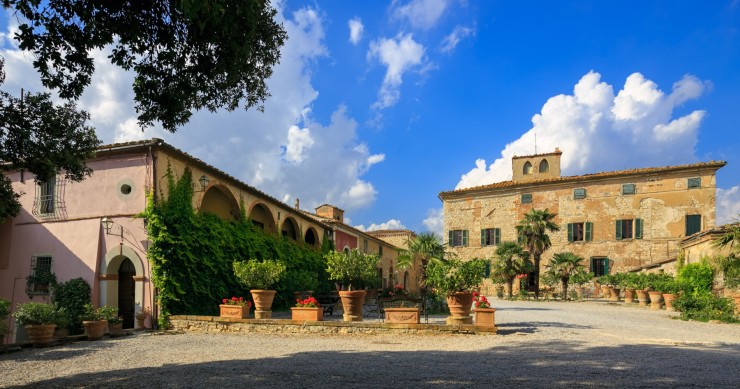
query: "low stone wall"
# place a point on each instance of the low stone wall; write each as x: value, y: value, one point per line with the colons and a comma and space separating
x: 215, y: 324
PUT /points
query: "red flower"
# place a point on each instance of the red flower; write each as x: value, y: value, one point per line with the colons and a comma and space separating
x: 225, y: 300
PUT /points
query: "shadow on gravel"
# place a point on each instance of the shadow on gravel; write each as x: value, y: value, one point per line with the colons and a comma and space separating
x: 545, y: 364
x: 531, y: 327
x: 522, y: 309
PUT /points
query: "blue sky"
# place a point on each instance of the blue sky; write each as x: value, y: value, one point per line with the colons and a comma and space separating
x: 430, y: 95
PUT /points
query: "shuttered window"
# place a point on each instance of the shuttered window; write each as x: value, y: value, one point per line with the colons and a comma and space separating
x: 579, y: 193
x: 600, y: 266
x: 526, y: 198
x: 694, y: 183
x: 490, y: 236
x: 458, y: 238
x: 628, y: 229
x: 693, y: 224
x: 628, y: 189
x: 580, y: 232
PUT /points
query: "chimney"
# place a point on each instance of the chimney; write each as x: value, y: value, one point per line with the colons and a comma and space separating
x: 297, y: 203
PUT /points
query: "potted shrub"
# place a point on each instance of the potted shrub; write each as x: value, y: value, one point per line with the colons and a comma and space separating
x: 641, y: 285
x: 307, y: 309
x: 94, y: 321
x: 235, y: 308
x: 260, y: 277
x: 4, y: 312
x: 39, y: 321
x: 579, y: 279
x: 604, y: 282
x: 62, y: 321
x: 485, y: 314
x: 670, y: 288
x: 71, y: 297
x: 627, y: 283
x: 115, y: 322
x: 141, y: 317
x: 454, y: 279
x: 352, y: 269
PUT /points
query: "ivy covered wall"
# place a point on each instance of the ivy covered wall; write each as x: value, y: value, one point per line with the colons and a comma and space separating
x: 192, y: 253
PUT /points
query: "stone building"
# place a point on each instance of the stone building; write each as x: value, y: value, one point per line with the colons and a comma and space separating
x: 409, y: 278
x: 616, y: 220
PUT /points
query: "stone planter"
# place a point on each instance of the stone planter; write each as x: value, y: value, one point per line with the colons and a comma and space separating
x: 234, y: 311
x: 40, y: 334
x: 668, y: 298
x: 402, y: 315
x: 614, y: 293
x: 605, y: 292
x: 485, y: 317
x: 262, y: 303
x: 656, y: 300
x: 499, y: 289
x: 352, y: 302
x: 307, y: 313
x: 460, y: 304
x: 642, y: 297
x: 95, y: 330
x: 629, y: 295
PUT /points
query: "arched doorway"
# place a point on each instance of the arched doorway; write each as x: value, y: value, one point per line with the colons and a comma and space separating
x: 262, y: 217
x: 126, y: 292
x: 311, y: 238
x: 218, y: 200
x: 290, y: 229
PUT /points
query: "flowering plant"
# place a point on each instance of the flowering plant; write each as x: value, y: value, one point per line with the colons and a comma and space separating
x: 397, y: 290
x: 237, y: 301
x: 480, y: 301
x: 307, y: 303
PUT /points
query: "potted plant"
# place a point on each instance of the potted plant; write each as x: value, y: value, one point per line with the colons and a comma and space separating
x: 115, y: 322
x: 94, y: 321
x: 605, y: 282
x: 484, y: 312
x: 352, y: 269
x: 260, y: 277
x: 235, y: 308
x: 670, y: 288
x: 579, y: 279
x: 454, y: 279
x: 63, y: 322
x: 627, y: 283
x: 141, y: 317
x: 307, y: 309
x: 653, y: 282
x: 39, y: 321
x: 4, y: 312
x: 641, y: 285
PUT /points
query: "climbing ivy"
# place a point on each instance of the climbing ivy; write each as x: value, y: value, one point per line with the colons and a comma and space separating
x: 192, y: 254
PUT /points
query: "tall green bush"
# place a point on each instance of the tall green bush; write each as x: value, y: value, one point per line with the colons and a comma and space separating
x: 697, y: 276
x: 4, y: 312
x: 192, y: 254
x: 70, y: 297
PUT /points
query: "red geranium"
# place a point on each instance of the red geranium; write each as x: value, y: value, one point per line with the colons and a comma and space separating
x: 307, y: 303
x: 481, y: 301
x: 237, y: 301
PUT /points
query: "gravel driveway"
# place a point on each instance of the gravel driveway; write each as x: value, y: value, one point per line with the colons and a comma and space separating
x: 540, y: 344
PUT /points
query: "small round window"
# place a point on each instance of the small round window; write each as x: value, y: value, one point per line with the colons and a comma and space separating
x: 126, y: 189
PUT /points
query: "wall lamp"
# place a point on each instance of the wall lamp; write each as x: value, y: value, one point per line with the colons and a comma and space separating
x: 204, y: 181
x: 107, y: 223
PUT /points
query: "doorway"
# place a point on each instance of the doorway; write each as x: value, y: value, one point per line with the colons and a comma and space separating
x: 126, y: 299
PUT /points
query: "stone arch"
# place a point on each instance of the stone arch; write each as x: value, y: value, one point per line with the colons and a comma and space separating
x: 527, y: 169
x: 108, y: 276
x: 261, y: 216
x: 219, y: 200
x: 544, y: 166
x: 290, y: 228
x: 312, y: 237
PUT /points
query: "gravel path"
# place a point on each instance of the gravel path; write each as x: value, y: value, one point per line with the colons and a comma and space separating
x: 540, y: 344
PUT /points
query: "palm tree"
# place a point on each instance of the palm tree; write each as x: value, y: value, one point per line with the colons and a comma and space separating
x: 511, y: 261
x: 426, y: 247
x: 565, y: 265
x: 533, y: 231
x: 731, y: 238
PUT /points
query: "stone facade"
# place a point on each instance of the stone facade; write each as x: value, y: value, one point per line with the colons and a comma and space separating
x: 654, y: 208
x: 409, y: 278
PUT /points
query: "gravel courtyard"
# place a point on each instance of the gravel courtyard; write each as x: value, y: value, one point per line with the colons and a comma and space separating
x: 540, y: 344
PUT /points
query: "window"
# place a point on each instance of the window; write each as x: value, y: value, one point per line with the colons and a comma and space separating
x: 693, y: 224
x: 46, y: 195
x: 544, y: 166
x: 628, y: 189
x: 694, y: 183
x: 526, y: 198
x: 364, y: 245
x: 458, y: 238
x: 490, y: 236
x: 527, y: 168
x: 39, y: 279
x: 600, y: 266
x: 579, y: 193
x: 628, y: 229
x: 580, y: 232
x: 380, y: 250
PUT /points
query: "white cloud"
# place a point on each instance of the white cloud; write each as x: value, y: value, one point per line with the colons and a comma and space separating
x: 434, y: 222
x: 376, y: 158
x: 459, y: 33
x: 422, y: 14
x: 728, y: 205
x: 359, y: 195
x: 392, y: 224
x: 399, y: 55
x: 298, y: 139
x: 598, y: 131
x: 355, y: 30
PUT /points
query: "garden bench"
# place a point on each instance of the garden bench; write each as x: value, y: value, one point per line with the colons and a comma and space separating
x: 327, y: 302
x: 402, y: 302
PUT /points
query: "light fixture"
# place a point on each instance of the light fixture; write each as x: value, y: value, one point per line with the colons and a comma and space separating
x: 107, y: 223
x: 204, y: 181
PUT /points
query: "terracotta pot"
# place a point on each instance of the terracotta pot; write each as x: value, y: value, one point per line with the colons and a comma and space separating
x: 234, y: 311
x: 402, y: 315
x: 485, y: 317
x: 629, y: 295
x: 736, y: 298
x: 115, y: 328
x: 460, y: 304
x: 614, y: 293
x: 499, y: 290
x: 140, y: 318
x: 40, y: 334
x: 61, y: 333
x: 95, y: 330
x: 262, y: 303
x: 669, y: 298
x: 307, y: 313
x: 642, y: 297
x: 605, y: 292
x: 352, y: 302
x: 656, y: 300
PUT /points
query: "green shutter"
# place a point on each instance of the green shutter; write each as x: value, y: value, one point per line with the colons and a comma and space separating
x: 497, y: 239
x: 618, y: 232
x: 695, y: 182
x: 589, y: 231
x: 465, y: 238
x: 482, y: 237
x: 606, y: 265
x: 450, y: 241
x: 638, y: 228
x: 488, y: 269
x: 570, y: 232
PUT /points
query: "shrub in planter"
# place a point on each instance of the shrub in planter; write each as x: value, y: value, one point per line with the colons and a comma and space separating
x: 260, y: 278
x: 72, y: 296
x: 455, y: 279
x: 353, y: 270
x: 39, y: 320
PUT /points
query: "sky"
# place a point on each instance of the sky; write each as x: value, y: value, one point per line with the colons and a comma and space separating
x: 377, y: 107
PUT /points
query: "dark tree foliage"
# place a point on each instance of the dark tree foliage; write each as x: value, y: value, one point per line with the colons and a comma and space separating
x: 187, y: 54
x: 41, y: 138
